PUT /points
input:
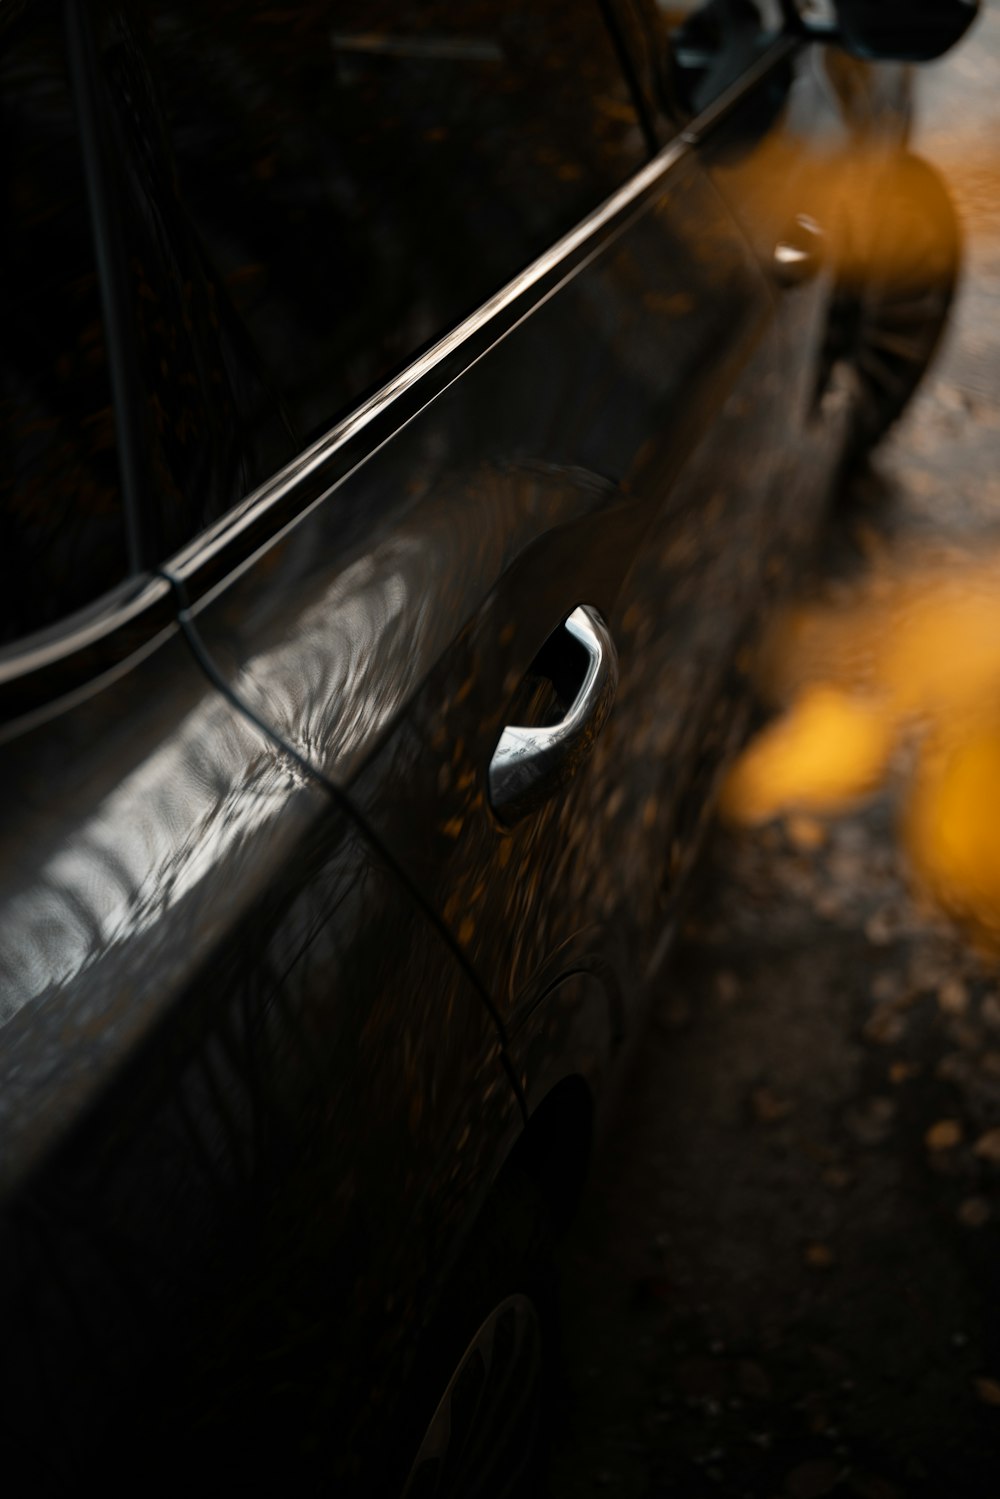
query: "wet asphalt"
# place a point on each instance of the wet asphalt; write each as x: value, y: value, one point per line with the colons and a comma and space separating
x: 784, y: 1280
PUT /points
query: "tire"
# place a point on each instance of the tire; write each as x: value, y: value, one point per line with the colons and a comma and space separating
x: 476, y: 1422
x: 891, y: 307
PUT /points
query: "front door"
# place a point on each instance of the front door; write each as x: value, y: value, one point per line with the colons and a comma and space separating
x: 541, y: 343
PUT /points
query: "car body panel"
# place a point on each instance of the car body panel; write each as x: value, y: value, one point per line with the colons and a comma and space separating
x: 523, y: 487
x: 236, y: 1067
x: 509, y: 477
x: 279, y: 988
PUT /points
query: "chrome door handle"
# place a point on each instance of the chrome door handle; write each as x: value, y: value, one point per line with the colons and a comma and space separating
x: 531, y: 764
x: 800, y: 252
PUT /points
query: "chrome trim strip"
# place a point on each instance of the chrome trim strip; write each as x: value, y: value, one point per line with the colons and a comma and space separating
x: 698, y: 128
x: 568, y: 252
x: 54, y: 654
x: 42, y: 651
x: 312, y: 458
x: 52, y: 668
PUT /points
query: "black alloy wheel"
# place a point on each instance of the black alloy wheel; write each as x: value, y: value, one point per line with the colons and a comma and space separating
x: 476, y: 1422
x: 482, y: 1437
x: 893, y: 300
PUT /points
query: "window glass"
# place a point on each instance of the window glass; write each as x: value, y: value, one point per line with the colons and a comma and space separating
x: 213, y: 427
x: 63, y: 539
x: 710, y: 43
x: 362, y: 175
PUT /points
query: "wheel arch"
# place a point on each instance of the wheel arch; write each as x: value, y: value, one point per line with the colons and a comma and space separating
x: 555, y: 1146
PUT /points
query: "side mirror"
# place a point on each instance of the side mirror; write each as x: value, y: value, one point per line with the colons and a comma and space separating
x: 902, y: 30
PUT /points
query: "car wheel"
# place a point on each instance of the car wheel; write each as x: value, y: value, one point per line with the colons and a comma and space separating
x: 479, y: 1408
x: 889, y: 312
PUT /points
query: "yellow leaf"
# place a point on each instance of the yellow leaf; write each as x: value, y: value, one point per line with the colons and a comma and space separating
x: 829, y: 749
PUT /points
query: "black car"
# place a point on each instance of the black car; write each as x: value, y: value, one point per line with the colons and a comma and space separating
x: 409, y: 412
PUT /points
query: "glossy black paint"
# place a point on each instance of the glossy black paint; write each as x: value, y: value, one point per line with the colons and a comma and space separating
x: 231, y: 1052
x: 278, y: 990
x: 609, y: 448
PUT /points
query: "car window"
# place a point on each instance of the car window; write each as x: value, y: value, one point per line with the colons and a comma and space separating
x: 708, y: 44
x: 361, y: 176
x: 63, y: 537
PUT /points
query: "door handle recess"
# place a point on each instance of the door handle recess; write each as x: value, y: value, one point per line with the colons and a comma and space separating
x: 530, y: 764
x: 799, y: 254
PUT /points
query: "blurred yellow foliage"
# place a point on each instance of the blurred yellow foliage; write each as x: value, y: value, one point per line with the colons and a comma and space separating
x: 825, y: 751
x: 951, y: 827
x: 913, y: 658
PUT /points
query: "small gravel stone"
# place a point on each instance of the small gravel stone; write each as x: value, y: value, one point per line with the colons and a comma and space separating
x: 886, y: 1027
x: 768, y: 1107
x: 883, y: 927
x: 727, y: 987
x: 953, y: 997
x: 989, y: 1012
x: 870, y: 1122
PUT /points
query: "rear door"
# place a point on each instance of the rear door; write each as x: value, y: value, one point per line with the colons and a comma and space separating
x: 457, y: 241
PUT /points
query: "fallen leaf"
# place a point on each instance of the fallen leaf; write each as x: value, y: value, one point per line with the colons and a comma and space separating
x: 883, y: 927
x: 944, y: 1135
x: 767, y: 1107
x: 727, y: 987
x: 989, y: 1012
x: 887, y: 986
x: 827, y: 750
x: 870, y: 1122
x: 819, y: 1256
x: 885, y: 1028
x: 987, y: 1147
x: 806, y: 833
x: 949, y: 828
x: 953, y: 997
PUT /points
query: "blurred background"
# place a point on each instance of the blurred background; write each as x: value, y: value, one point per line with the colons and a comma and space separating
x: 785, y: 1279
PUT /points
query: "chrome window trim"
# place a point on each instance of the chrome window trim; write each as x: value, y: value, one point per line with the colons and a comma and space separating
x: 470, y: 340
x: 202, y: 567
x: 46, y: 666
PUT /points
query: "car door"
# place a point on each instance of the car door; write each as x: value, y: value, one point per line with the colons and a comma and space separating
x: 248, y: 1097
x: 535, y: 338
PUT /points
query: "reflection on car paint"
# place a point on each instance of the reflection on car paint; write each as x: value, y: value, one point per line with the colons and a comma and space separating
x: 251, y: 1102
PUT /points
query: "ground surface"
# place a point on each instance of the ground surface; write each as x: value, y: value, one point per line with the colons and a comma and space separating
x: 785, y: 1277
